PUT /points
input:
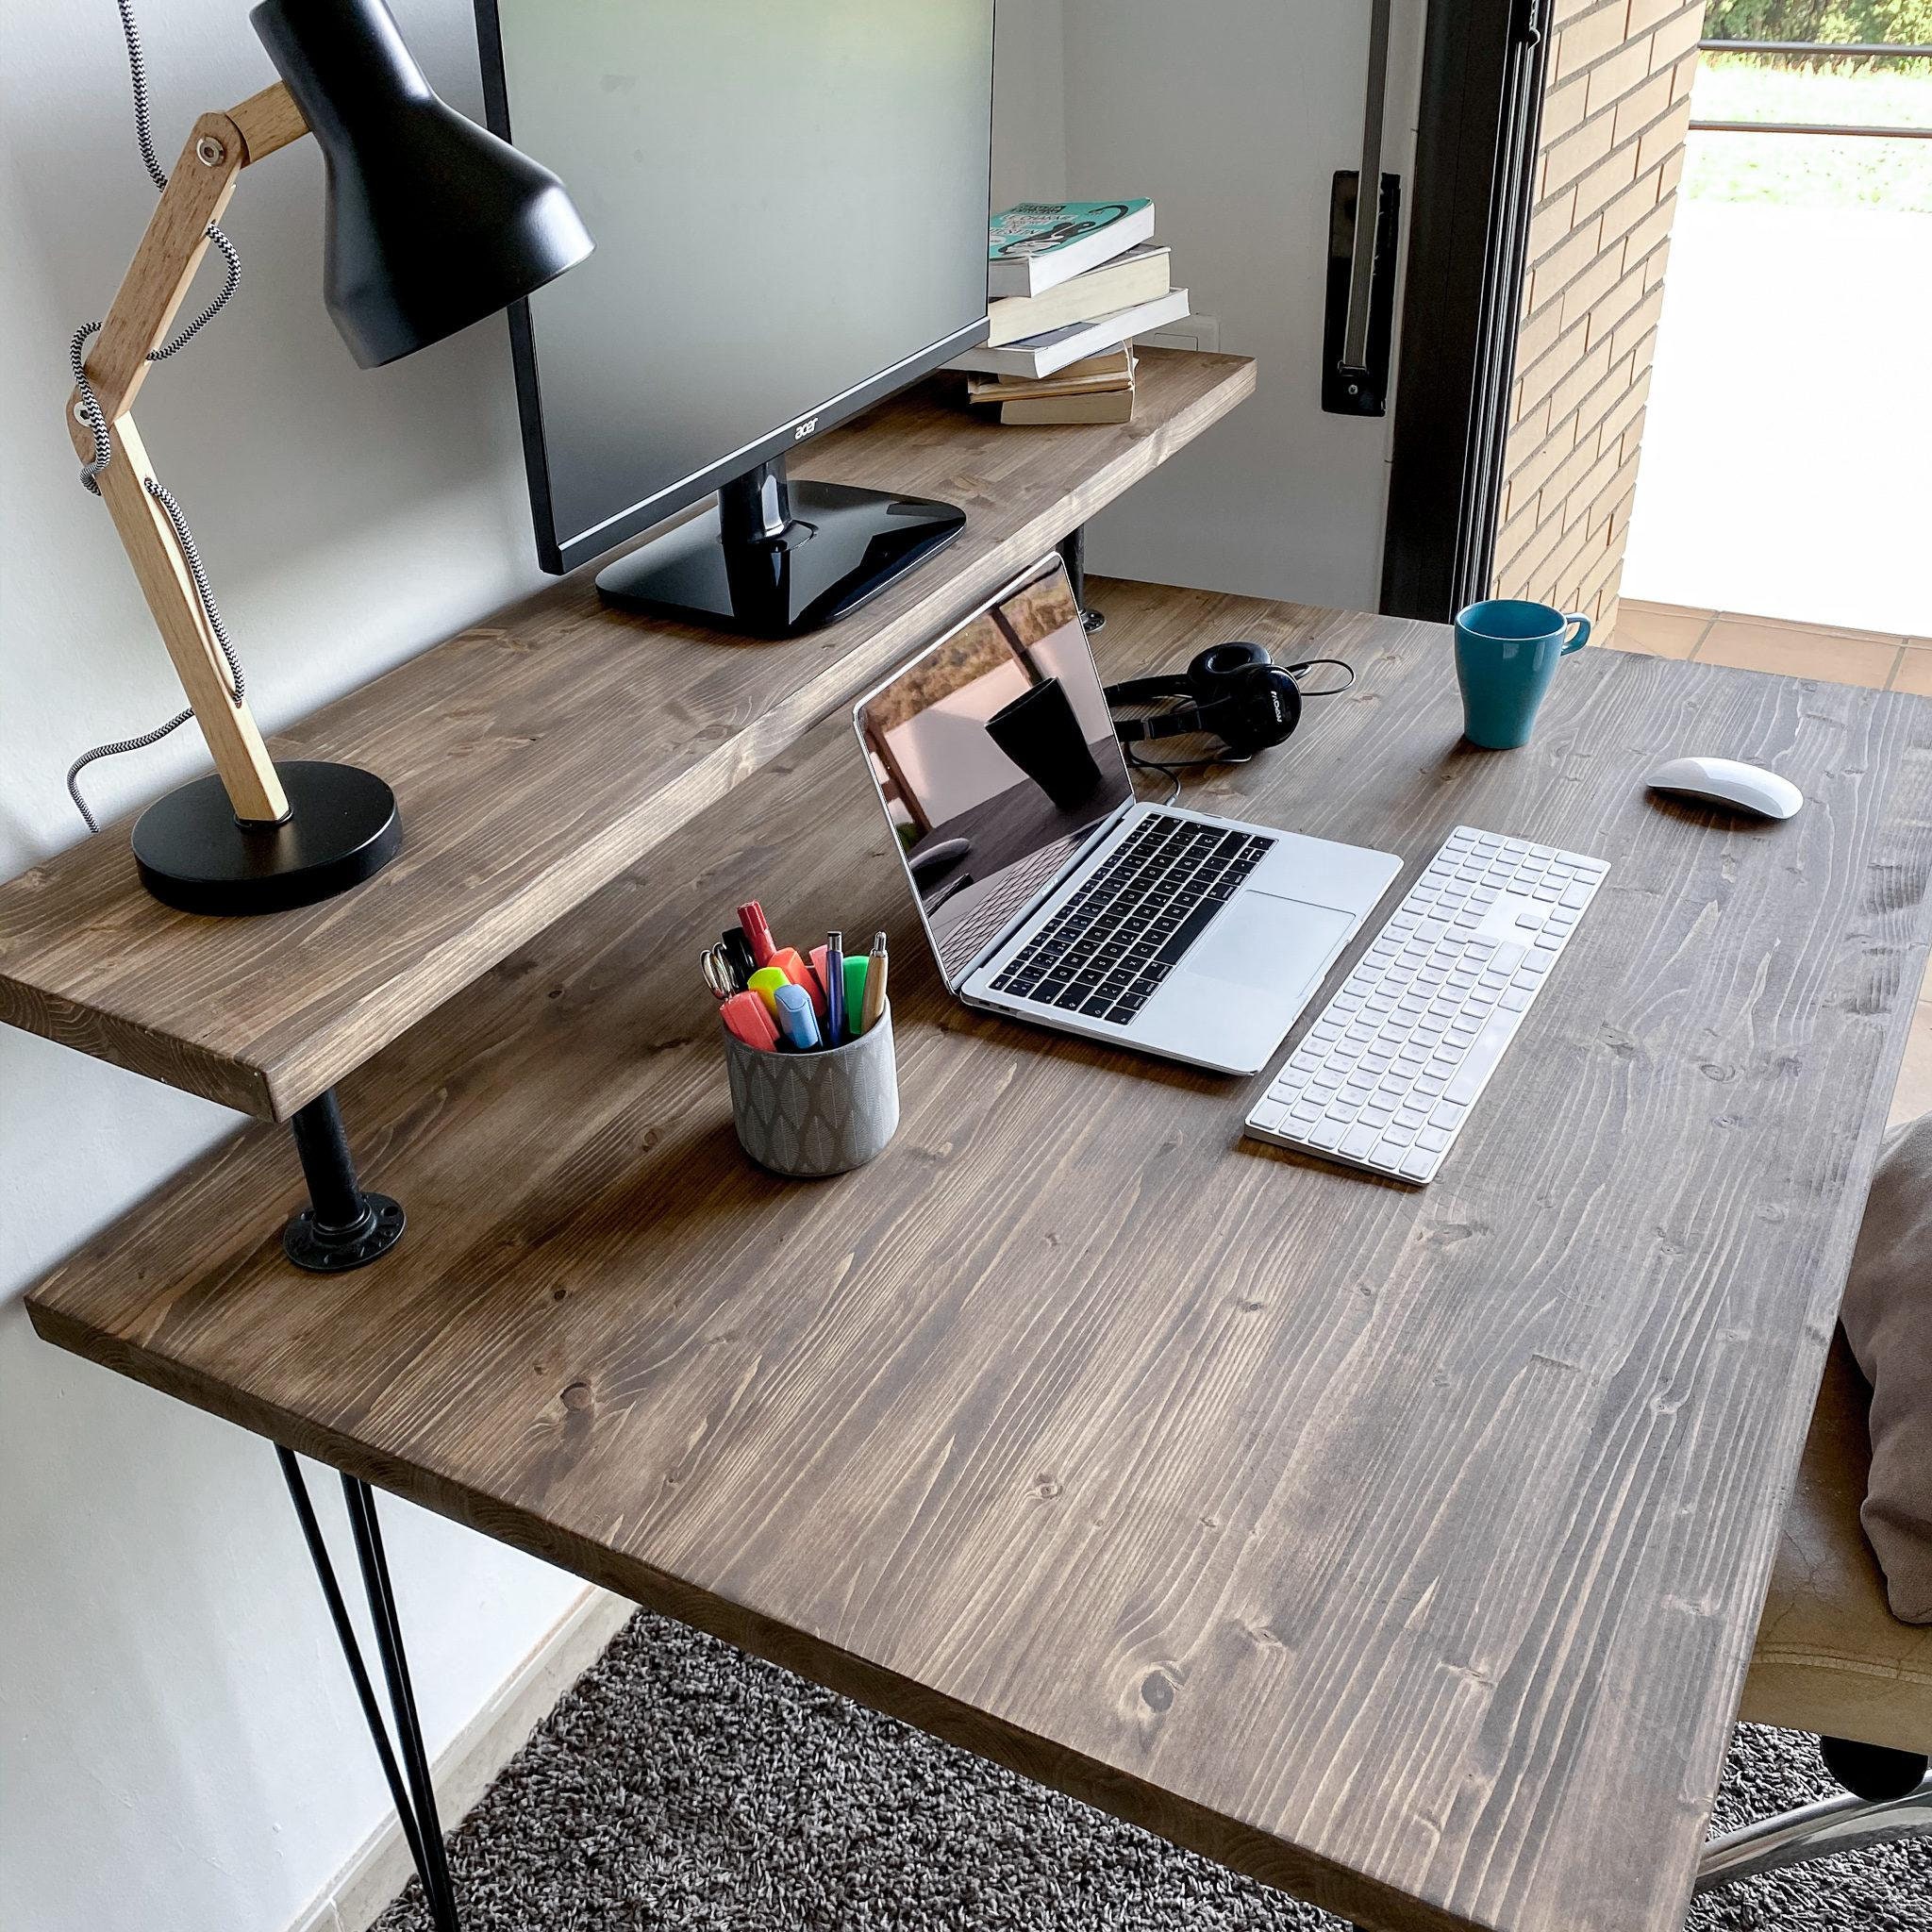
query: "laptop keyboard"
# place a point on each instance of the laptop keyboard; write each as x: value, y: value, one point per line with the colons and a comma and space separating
x: 1105, y: 953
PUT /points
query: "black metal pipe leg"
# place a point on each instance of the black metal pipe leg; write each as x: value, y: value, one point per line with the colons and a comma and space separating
x: 1073, y: 550
x: 411, y: 1787
x: 343, y: 1227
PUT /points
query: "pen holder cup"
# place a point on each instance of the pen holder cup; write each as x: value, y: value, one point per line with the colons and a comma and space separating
x: 812, y: 1114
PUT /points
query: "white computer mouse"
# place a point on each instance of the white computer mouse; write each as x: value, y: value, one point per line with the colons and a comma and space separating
x: 1729, y: 781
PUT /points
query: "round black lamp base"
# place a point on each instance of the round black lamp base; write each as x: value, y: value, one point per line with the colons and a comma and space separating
x: 342, y: 828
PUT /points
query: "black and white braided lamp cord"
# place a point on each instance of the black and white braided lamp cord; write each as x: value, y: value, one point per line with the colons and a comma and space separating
x: 91, y: 414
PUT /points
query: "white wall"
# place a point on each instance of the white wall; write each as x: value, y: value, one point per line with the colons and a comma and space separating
x: 1029, y: 133
x: 1233, y: 117
x: 180, y: 1750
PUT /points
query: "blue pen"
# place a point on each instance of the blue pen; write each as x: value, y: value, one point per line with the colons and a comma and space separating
x: 835, y: 988
x: 796, y: 1020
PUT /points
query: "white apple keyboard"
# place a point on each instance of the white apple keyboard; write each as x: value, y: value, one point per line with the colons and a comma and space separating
x: 1387, y: 1074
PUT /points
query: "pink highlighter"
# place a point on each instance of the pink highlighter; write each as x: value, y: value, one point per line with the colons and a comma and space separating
x: 794, y: 968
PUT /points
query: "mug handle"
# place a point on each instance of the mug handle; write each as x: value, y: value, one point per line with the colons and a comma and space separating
x: 1582, y: 637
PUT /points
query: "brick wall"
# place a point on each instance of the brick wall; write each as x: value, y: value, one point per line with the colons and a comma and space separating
x: 1607, y: 182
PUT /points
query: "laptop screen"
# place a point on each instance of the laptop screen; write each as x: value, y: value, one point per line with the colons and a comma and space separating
x: 995, y: 758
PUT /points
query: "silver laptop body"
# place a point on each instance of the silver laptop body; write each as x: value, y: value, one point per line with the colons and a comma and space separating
x: 994, y: 759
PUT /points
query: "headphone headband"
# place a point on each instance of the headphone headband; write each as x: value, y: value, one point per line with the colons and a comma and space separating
x: 1177, y: 723
x: 1148, y: 690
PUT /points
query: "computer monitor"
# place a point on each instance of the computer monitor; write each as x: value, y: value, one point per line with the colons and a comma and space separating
x: 789, y: 205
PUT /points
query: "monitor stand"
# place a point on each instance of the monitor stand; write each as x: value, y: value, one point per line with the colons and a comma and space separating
x: 777, y: 559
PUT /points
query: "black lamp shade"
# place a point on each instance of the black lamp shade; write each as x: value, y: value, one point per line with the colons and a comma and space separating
x: 433, y: 223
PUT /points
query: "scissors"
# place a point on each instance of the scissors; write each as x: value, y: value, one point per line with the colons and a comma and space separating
x: 721, y: 976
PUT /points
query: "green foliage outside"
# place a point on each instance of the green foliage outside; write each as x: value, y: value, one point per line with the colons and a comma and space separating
x: 1907, y: 22
x: 1811, y: 170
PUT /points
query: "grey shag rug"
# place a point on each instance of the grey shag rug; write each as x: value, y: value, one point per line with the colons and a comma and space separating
x: 683, y: 1787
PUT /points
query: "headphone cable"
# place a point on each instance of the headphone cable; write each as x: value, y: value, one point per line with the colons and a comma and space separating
x: 1333, y: 691
x: 1171, y: 769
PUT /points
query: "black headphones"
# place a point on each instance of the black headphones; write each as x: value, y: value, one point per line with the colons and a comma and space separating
x: 1235, y: 691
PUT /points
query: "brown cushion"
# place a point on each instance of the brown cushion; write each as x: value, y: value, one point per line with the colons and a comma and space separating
x: 1831, y: 1658
x: 1887, y: 1318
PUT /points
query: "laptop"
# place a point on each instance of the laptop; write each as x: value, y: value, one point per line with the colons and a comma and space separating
x: 1051, y: 894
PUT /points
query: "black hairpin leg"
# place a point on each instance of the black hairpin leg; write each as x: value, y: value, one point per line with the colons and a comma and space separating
x: 1073, y: 549
x: 410, y: 1784
x: 343, y: 1227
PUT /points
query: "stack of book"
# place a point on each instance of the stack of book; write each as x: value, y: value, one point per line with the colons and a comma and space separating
x: 1069, y: 286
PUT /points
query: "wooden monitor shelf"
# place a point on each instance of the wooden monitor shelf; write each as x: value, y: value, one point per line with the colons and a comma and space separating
x: 535, y: 757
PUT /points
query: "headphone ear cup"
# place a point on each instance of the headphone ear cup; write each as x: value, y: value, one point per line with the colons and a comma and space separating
x: 1211, y: 673
x: 1263, y: 707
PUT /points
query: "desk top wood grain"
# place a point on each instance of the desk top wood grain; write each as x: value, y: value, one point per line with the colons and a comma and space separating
x: 1402, y: 1548
x: 533, y: 757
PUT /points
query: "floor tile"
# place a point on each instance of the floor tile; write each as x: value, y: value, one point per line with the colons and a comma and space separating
x: 1828, y: 630
x: 1912, y: 1096
x: 1662, y: 609
x: 1750, y: 645
x: 1657, y: 629
x: 1919, y: 643
x: 1914, y: 673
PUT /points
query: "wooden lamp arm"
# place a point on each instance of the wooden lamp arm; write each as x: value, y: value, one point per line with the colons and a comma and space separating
x: 219, y: 147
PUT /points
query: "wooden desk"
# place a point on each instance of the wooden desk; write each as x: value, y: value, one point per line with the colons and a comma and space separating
x: 1401, y: 1548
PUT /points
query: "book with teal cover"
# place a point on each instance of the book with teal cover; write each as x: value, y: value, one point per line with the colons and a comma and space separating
x: 1035, y: 227
x: 1037, y: 245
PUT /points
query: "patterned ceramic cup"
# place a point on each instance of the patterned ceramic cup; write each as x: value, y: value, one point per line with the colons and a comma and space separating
x: 808, y: 1114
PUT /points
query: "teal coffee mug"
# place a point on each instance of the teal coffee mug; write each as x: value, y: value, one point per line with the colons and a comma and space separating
x: 1506, y: 654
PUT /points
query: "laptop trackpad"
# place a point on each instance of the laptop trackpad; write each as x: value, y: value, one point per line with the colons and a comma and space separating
x: 1269, y: 943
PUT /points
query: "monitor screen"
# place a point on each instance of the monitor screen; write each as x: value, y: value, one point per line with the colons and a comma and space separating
x: 789, y: 203
x: 996, y: 757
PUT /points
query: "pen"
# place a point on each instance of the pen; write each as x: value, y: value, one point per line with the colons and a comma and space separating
x: 855, y: 982
x: 835, y: 988
x: 751, y: 916
x: 875, y: 983
x: 795, y: 1016
x: 745, y: 1018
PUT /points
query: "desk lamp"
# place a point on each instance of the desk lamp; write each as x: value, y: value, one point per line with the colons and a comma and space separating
x: 432, y: 223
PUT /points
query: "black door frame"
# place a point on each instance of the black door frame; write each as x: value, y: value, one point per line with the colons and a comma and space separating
x: 1483, y: 66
